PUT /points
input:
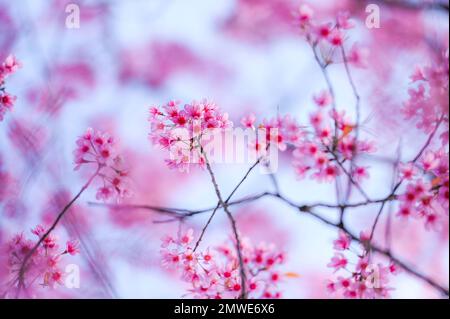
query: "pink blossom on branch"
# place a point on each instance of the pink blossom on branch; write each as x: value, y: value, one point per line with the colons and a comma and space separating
x: 426, y: 195
x: 322, y: 147
x: 181, y: 129
x: 366, y: 279
x: 428, y: 96
x: 214, y: 273
x: 7, y: 68
x: 46, y: 264
x: 93, y: 148
x: 99, y: 149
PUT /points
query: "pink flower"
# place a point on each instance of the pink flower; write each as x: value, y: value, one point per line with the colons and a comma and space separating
x: 344, y: 21
x: 331, y: 286
x: 364, y: 236
x: 45, y: 265
x: 363, y: 263
x: 49, y: 242
x: 182, y: 131
x: 323, y: 99
x: 344, y: 283
x: 316, y: 120
x: 104, y: 193
x: 10, y: 65
x: 338, y: 262
x: 343, y: 242
x: 187, y: 237
x: 360, y: 173
x: 99, y: 149
x: 154, y: 112
x: 358, y: 56
x: 249, y: 121
x: 405, y: 211
x: 336, y: 37
x: 215, y: 276
x: 324, y: 31
x: 408, y: 171
x: 393, y: 268
x: 327, y: 174
x: 305, y: 13
x: 6, y: 103
x: 429, y: 161
x: 7, y: 100
x: 72, y: 247
x: 38, y: 230
x: 194, y: 111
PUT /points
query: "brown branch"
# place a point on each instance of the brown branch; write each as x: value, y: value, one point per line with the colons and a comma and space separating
x: 308, y: 209
x: 226, y: 202
x: 349, y: 175
x: 234, y: 228
x: 326, y: 76
x: 375, y: 248
x: 25, y: 261
x: 397, y: 186
x: 248, y: 199
x: 358, y: 114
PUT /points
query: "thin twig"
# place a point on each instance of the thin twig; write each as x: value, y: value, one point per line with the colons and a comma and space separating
x: 25, y: 261
x: 234, y: 228
x: 396, y: 187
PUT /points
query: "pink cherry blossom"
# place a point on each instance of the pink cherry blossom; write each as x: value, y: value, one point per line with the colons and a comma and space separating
x: 338, y: 262
x: 99, y: 149
x: 249, y: 121
x: 367, y: 279
x: 343, y: 242
x: 46, y: 267
x: 182, y: 130
x: 214, y: 273
x: 358, y: 56
x: 7, y: 68
x: 72, y: 247
x: 323, y: 99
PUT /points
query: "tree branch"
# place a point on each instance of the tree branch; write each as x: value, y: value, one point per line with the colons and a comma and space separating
x: 24, y: 264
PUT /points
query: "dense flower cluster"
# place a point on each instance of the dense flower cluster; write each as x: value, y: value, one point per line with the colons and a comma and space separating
x: 428, y: 97
x: 214, y: 273
x: 45, y: 266
x: 331, y: 141
x: 182, y: 129
x: 364, y: 279
x: 427, y: 190
x: 98, y: 148
x: 7, y: 68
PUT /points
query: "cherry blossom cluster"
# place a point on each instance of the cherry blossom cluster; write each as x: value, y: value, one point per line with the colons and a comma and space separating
x: 426, y: 194
x: 214, y: 273
x: 428, y: 96
x: 331, y: 141
x: 7, y: 68
x: 99, y: 149
x: 282, y: 131
x: 181, y: 130
x: 330, y: 36
x: 45, y: 265
x: 363, y: 279
x: 331, y: 137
